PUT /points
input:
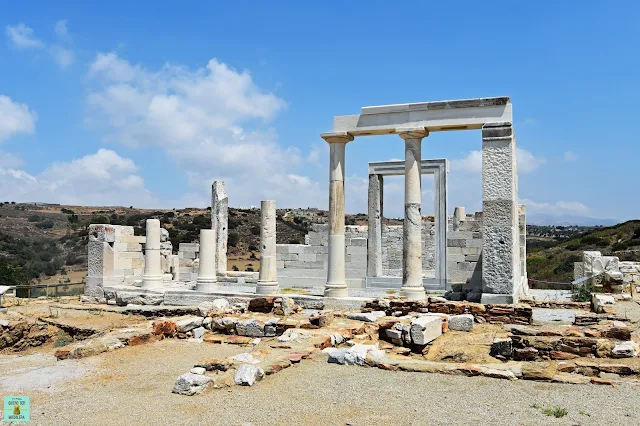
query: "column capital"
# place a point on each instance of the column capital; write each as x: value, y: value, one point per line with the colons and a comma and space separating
x: 337, y: 137
x: 412, y: 132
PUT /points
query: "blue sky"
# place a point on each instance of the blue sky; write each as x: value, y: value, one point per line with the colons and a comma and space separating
x: 141, y: 103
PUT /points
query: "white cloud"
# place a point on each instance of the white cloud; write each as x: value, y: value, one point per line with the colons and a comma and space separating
x: 570, y: 157
x: 62, y: 55
x: 527, y: 162
x: 557, y: 208
x: 61, y: 30
x: 22, y: 37
x: 15, y: 118
x: 212, y: 121
x: 472, y: 162
x: 103, y: 178
x: 10, y: 160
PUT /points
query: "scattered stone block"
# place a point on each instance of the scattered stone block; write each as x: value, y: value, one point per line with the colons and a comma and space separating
x: 502, y: 347
x: 198, y: 333
x: 525, y: 354
x: 248, y: 375
x: 425, y: 329
x: 366, y: 316
x: 462, y: 322
x: 537, y: 371
x: 261, y: 304
x: 321, y: 319
x: 250, y: 328
x: 214, y: 364
x: 197, y: 370
x: 187, y: 324
x: 599, y: 301
x: 627, y: 349
x: 191, y: 384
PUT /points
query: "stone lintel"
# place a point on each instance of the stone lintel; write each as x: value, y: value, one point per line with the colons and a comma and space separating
x: 337, y: 137
x: 392, y: 168
x: 436, y: 105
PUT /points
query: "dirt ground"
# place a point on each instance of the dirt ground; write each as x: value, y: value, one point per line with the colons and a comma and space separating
x: 133, y: 386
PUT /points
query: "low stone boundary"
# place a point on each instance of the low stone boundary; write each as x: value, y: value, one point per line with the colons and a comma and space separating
x: 506, y: 314
x: 557, y: 304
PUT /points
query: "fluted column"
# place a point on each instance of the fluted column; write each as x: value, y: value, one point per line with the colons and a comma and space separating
x: 412, y: 286
x: 336, y: 282
x: 268, y: 278
x: 207, y: 279
x: 152, y: 277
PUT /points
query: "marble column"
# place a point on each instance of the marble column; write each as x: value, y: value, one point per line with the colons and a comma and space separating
x: 268, y: 278
x: 336, y: 282
x: 207, y: 279
x: 220, y: 222
x: 374, y: 243
x: 459, y: 216
x: 152, y: 277
x: 412, y: 286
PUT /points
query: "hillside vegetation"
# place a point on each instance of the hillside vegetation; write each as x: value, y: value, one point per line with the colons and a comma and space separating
x: 552, y: 260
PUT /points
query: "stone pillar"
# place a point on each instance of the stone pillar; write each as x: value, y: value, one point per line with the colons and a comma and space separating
x: 459, y: 216
x: 500, y: 246
x: 152, y: 277
x: 268, y: 278
x: 522, y: 227
x: 220, y: 222
x: 207, y: 280
x: 336, y: 282
x: 374, y: 243
x: 441, y: 201
x: 412, y: 286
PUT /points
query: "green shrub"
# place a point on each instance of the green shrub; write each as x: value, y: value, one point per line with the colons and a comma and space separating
x: 34, y: 218
x: 47, y: 224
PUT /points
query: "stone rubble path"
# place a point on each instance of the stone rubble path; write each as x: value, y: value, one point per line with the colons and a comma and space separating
x: 312, y: 392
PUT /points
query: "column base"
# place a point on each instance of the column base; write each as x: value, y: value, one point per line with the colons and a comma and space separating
x: 336, y: 290
x: 267, y: 287
x: 152, y: 281
x: 206, y: 285
x: 413, y: 293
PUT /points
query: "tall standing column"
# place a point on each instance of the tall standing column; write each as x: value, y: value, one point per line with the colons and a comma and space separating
x: 412, y: 286
x: 268, y: 278
x: 152, y: 277
x: 336, y: 282
x: 374, y: 238
x: 207, y: 279
x: 500, y: 239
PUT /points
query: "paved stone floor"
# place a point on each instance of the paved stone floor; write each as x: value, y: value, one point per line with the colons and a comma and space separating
x: 133, y: 386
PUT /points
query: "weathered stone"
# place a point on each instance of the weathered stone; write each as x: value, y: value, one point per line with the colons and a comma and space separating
x: 603, y: 348
x: 250, y: 328
x: 197, y: 370
x: 187, y: 324
x: 191, y: 384
x: 321, y: 319
x: 562, y: 355
x: 248, y: 375
x: 618, y: 369
x: 574, y: 379
x: 599, y: 301
x: 214, y: 364
x: 165, y: 328
x: 461, y: 322
x: 198, y: 332
x: 526, y: 354
x: 627, y: 349
x: 501, y: 347
x: 425, y: 329
x: 261, y: 304
x: 537, y: 371
x: 366, y: 316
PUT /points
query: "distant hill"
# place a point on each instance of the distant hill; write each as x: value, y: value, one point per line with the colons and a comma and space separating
x: 552, y: 260
x: 568, y: 220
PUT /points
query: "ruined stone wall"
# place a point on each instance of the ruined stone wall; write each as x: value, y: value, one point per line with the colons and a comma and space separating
x: 309, y: 260
x: 464, y: 252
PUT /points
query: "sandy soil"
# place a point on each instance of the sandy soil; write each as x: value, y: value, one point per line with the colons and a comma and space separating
x: 133, y: 386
